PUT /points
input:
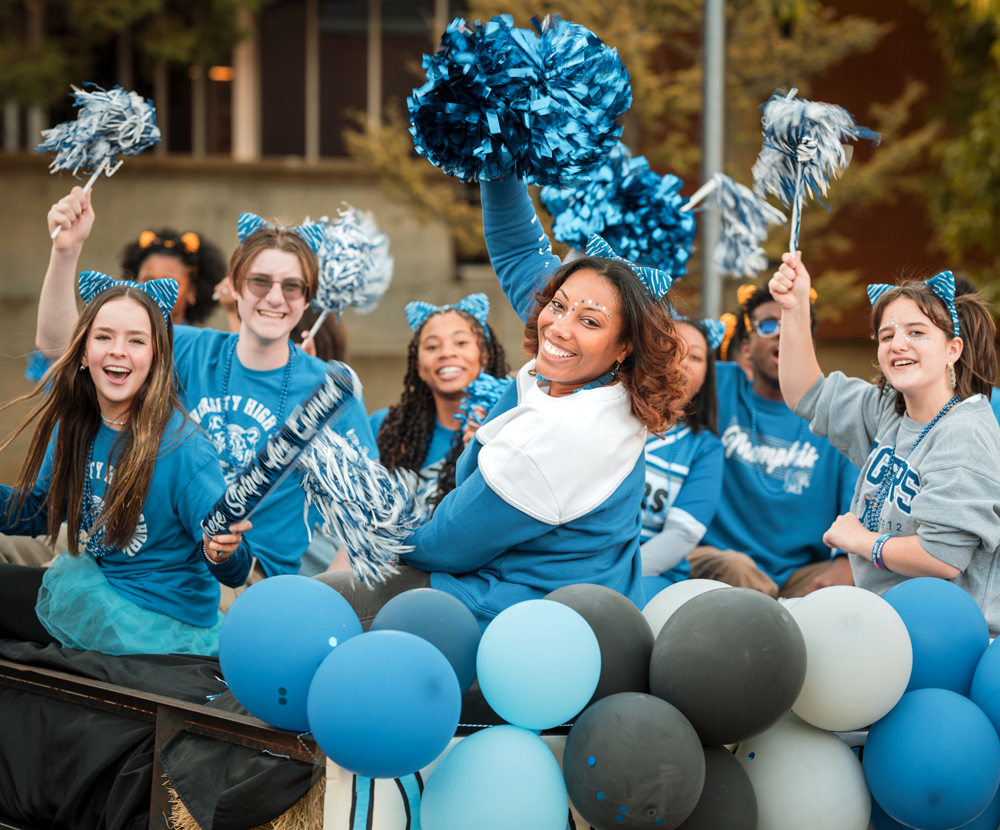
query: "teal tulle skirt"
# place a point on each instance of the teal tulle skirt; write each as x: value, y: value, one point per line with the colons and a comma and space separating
x: 81, y: 610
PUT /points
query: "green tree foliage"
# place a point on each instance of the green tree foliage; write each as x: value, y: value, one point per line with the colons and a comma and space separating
x: 46, y: 45
x: 770, y: 44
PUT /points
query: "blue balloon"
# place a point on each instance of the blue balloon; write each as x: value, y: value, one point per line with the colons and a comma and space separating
x: 499, y: 778
x: 947, y: 629
x: 273, y: 639
x: 934, y: 761
x: 442, y: 620
x: 988, y: 819
x: 986, y: 685
x: 539, y: 663
x: 384, y: 704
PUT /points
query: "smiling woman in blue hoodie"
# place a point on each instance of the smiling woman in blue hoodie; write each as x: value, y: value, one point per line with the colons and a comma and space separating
x: 548, y: 493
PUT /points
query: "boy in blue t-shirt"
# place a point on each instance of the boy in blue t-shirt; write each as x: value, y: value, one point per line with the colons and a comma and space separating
x: 783, y: 486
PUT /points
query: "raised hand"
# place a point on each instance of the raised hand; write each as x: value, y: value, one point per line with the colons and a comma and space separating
x: 790, y: 284
x: 75, y: 214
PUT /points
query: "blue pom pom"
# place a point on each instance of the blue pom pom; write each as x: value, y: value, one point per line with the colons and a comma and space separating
x: 634, y: 209
x: 370, y: 510
x: 461, y: 118
x: 483, y: 392
x: 803, y: 150
x: 745, y: 220
x: 573, y: 111
x: 355, y: 267
x: 110, y: 123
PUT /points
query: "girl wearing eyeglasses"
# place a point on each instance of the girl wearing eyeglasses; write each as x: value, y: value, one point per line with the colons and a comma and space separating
x: 239, y: 386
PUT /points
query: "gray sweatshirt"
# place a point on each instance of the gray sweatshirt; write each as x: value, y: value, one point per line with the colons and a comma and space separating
x: 946, y: 491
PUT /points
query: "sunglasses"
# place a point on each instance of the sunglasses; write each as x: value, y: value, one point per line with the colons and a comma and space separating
x: 189, y: 241
x: 260, y: 286
x: 767, y: 328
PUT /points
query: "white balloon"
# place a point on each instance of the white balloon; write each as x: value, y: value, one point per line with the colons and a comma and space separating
x: 858, y: 654
x: 660, y: 607
x: 804, y: 777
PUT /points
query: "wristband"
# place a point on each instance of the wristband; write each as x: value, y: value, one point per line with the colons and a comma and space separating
x: 877, y: 551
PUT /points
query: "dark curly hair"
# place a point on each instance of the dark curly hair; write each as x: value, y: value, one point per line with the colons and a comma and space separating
x: 406, y: 432
x: 206, y: 264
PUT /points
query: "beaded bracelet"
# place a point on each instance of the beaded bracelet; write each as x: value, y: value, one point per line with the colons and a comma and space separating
x: 877, y: 551
x: 207, y: 558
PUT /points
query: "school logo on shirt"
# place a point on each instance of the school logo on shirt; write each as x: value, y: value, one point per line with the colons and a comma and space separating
x: 791, y: 463
x: 905, y: 483
x: 138, y: 538
x: 235, y: 446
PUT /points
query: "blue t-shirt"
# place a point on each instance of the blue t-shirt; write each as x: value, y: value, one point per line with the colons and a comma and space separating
x: 478, y: 547
x: 782, y: 490
x: 280, y: 528
x: 683, y: 485
x: 995, y: 401
x: 162, y: 567
x: 441, y: 440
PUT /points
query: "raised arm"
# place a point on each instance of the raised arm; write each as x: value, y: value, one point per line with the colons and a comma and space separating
x: 57, y: 312
x: 520, y: 251
x: 798, y: 368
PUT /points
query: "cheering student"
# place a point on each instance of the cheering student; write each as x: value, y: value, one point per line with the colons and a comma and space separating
x: 548, y: 493
x: 240, y: 387
x: 684, y: 468
x: 775, y: 468
x: 115, y: 457
x: 924, y: 434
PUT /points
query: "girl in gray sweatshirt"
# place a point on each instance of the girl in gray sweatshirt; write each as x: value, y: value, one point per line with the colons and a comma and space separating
x: 927, y: 502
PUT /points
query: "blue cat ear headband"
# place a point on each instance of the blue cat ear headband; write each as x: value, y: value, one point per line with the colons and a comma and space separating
x: 657, y: 282
x: 478, y: 305
x: 716, y: 329
x: 942, y: 284
x: 163, y: 291
x: 312, y: 232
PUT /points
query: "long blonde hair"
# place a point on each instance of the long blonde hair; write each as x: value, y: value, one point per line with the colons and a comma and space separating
x: 69, y: 402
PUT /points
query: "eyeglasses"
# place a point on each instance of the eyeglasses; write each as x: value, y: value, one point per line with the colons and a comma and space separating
x: 767, y: 328
x: 260, y: 286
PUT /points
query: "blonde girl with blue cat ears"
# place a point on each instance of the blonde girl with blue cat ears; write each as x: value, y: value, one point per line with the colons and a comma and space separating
x: 240, y: 387
x: 927, y: 503
x: 115, y: 457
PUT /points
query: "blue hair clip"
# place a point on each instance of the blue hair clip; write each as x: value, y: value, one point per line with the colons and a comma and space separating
x: 943, y: 285
x: 657, y: 282
x: 478, y: 305
x: 716, y: 329
x: 163, y: 291
x: 311, y: 232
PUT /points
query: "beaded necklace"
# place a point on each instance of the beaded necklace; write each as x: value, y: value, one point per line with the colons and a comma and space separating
x: 774, y: 491
x: 873, y: 507
x: 93, y: 542
x: 286, y: 382
x: 603, y: 380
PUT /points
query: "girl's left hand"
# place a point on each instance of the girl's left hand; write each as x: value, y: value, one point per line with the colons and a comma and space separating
x: 220, y: 547
x: 473, y: 424
x: 848, y: 534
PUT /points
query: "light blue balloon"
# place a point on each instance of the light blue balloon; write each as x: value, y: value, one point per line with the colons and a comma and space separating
x: 384, y: 705
x: 539, y: 663
x: 934, y: 761
x: 274, y: 638
x: 986, y: 684
x: 499, y: 778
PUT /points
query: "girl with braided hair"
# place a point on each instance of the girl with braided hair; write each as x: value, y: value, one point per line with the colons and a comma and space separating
x: 451, y: 345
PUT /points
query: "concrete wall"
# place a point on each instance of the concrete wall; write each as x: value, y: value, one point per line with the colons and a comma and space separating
x: 207, y: 196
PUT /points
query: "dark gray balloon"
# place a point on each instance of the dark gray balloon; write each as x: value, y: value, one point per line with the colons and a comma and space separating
x: 728, y: 801
x: 623, y: 634
x: 633, y: 761
x: 732, y: 660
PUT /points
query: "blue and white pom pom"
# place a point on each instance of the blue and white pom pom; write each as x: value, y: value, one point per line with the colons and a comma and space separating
x: 501, y: 101
x: 370, y: 510
x: 377, y: 282
x: 461, y: 118
x: 803, y: 151
x: 110, y: 123
x: 483, y: 392
x: 572, y: 111
x: 745, y: 220
x: 637, y: 211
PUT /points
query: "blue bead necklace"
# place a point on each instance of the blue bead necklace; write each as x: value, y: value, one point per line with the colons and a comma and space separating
x: 285, y: 384
x: 774, y: 491
x: 603, y: 380
x: 93, y: 542
x: 873, y: 507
